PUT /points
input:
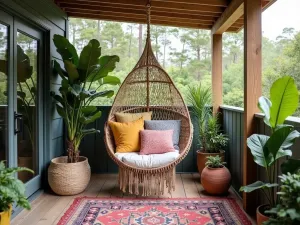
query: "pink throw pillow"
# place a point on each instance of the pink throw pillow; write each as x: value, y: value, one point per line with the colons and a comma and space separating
x: 156, y: 141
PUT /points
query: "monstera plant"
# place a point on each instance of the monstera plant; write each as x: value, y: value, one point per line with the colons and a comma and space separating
x: 267, y: 150
x: 77, y: 91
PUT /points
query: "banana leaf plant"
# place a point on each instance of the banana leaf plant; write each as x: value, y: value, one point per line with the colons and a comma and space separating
x: 77, y: 91
x: 267, y: 150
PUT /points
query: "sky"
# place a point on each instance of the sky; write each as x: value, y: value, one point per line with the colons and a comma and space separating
x: 283, y: 13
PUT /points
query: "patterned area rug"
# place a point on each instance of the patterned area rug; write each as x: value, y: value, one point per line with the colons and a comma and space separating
x: 104, y: 211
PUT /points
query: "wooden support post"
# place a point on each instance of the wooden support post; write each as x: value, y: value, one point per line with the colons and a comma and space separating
x: 252, y: 89
x: 217, y: 90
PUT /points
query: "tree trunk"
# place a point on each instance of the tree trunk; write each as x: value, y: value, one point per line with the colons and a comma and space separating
x: 98, y: 30
x: 73, y: 155
x: 140, y: 39
x: 130, y: 43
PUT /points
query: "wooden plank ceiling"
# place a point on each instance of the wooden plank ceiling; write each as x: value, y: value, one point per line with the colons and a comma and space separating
x: 199, y: 14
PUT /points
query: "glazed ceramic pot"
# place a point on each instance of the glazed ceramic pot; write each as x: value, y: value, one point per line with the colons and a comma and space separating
x: 5, y: 217
x: 260, y: 217
x: 216, y: 181
x: 69, y: 178
x: 201, y: 158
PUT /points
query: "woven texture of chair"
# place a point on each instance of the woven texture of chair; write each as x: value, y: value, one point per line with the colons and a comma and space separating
x: 149, y: 88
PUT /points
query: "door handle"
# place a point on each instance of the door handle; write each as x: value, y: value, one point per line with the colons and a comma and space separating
x: 18, y: 117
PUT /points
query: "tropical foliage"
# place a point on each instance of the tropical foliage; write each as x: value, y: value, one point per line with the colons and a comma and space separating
x: 210, y: 137
x: 77, y: 90
x: 12, y: 190
x: 267, y: 150
x: 287, y: 212
x: 214, y: 162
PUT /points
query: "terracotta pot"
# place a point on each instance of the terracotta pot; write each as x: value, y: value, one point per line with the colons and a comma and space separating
x: 216, y: 181
x: 201, y: 158
x: 260, y: 217
x: 5, y: 217
x: 69, y: 178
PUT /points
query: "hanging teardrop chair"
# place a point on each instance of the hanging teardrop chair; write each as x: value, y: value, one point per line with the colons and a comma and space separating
x: 149, y: 88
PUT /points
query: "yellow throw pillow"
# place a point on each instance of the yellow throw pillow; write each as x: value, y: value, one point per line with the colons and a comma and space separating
x: 129, y: 117
x: 127, y: 135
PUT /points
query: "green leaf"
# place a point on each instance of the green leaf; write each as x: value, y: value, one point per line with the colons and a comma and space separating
x: 264, y: 105
x: 65, y: 49
x: 107, y: 64
x: 90, y: 119
x: 24, y: 68
x: 256, y: 186
x: 284, y: 97
x: 59, y: 99
x: 75, y: 89
x: 88, y: 110
x: 90, y: 131
x: 89, y: 58
x: 112, y: 80
x: 72, y: 70
x: 107, y: 94
x: 63, y: 74
x: 281, y: 139
x: 61, y: 111
x: 257, y: 145
x: 290, y: 166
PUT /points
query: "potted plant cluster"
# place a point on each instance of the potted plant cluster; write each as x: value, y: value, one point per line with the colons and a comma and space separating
x: 83, y: 78
x: 211, y: 140
x: 287, y: 212
x: 12, y: 190
x: 267, y: 150
x: 215, y: 177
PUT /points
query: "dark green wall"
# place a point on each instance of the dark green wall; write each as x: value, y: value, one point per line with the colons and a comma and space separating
x: 46, y: 16
x: 93, y: 147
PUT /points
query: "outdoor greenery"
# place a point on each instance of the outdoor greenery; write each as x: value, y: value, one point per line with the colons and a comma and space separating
x: 84, y: 79
x: 12, y: 190
x: 267, y: 150
x: 186, y: 54
x: 214, y: 162
x: 211, y: 139
x: 287, y: 212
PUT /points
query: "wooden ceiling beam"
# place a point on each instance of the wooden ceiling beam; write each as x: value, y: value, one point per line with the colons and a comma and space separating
x: 138, y: 20
x: 221, y: 3
x: 154, y: 5
x: 140, y: 17
x: 140, y: 13
x: 231, y: 14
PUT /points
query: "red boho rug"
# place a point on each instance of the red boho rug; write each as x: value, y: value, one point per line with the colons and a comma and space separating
x: 109, y: 211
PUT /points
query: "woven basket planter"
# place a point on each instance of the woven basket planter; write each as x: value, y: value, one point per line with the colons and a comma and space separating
x: 69, y: 178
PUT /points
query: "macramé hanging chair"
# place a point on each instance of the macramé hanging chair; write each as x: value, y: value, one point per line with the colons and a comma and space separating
x: 149, y: 88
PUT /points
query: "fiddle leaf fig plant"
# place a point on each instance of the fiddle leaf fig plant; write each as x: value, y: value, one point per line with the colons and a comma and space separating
x: 266, y: 150
x: 82, y: 79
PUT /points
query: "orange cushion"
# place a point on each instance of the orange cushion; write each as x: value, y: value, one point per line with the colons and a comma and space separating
x: 126, y: 135
x: 129, y: 117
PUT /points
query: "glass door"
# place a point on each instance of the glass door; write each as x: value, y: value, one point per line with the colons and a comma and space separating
x: 6, y: 87
x: 28, y: 114
x: 21, y: 106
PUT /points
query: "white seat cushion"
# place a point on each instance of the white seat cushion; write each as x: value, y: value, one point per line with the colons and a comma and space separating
x: 147, y: 161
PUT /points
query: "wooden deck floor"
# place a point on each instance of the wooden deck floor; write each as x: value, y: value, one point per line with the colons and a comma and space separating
x: 48, y: 208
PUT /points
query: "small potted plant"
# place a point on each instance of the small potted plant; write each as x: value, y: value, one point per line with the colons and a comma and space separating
x: 215, y: 177
x: 83, y: 80
x: 267, y: 150
x: 12, y: 190
x: 287, y: 212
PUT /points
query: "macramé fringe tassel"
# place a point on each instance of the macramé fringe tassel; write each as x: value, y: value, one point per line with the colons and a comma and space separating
x: 152, y: 184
